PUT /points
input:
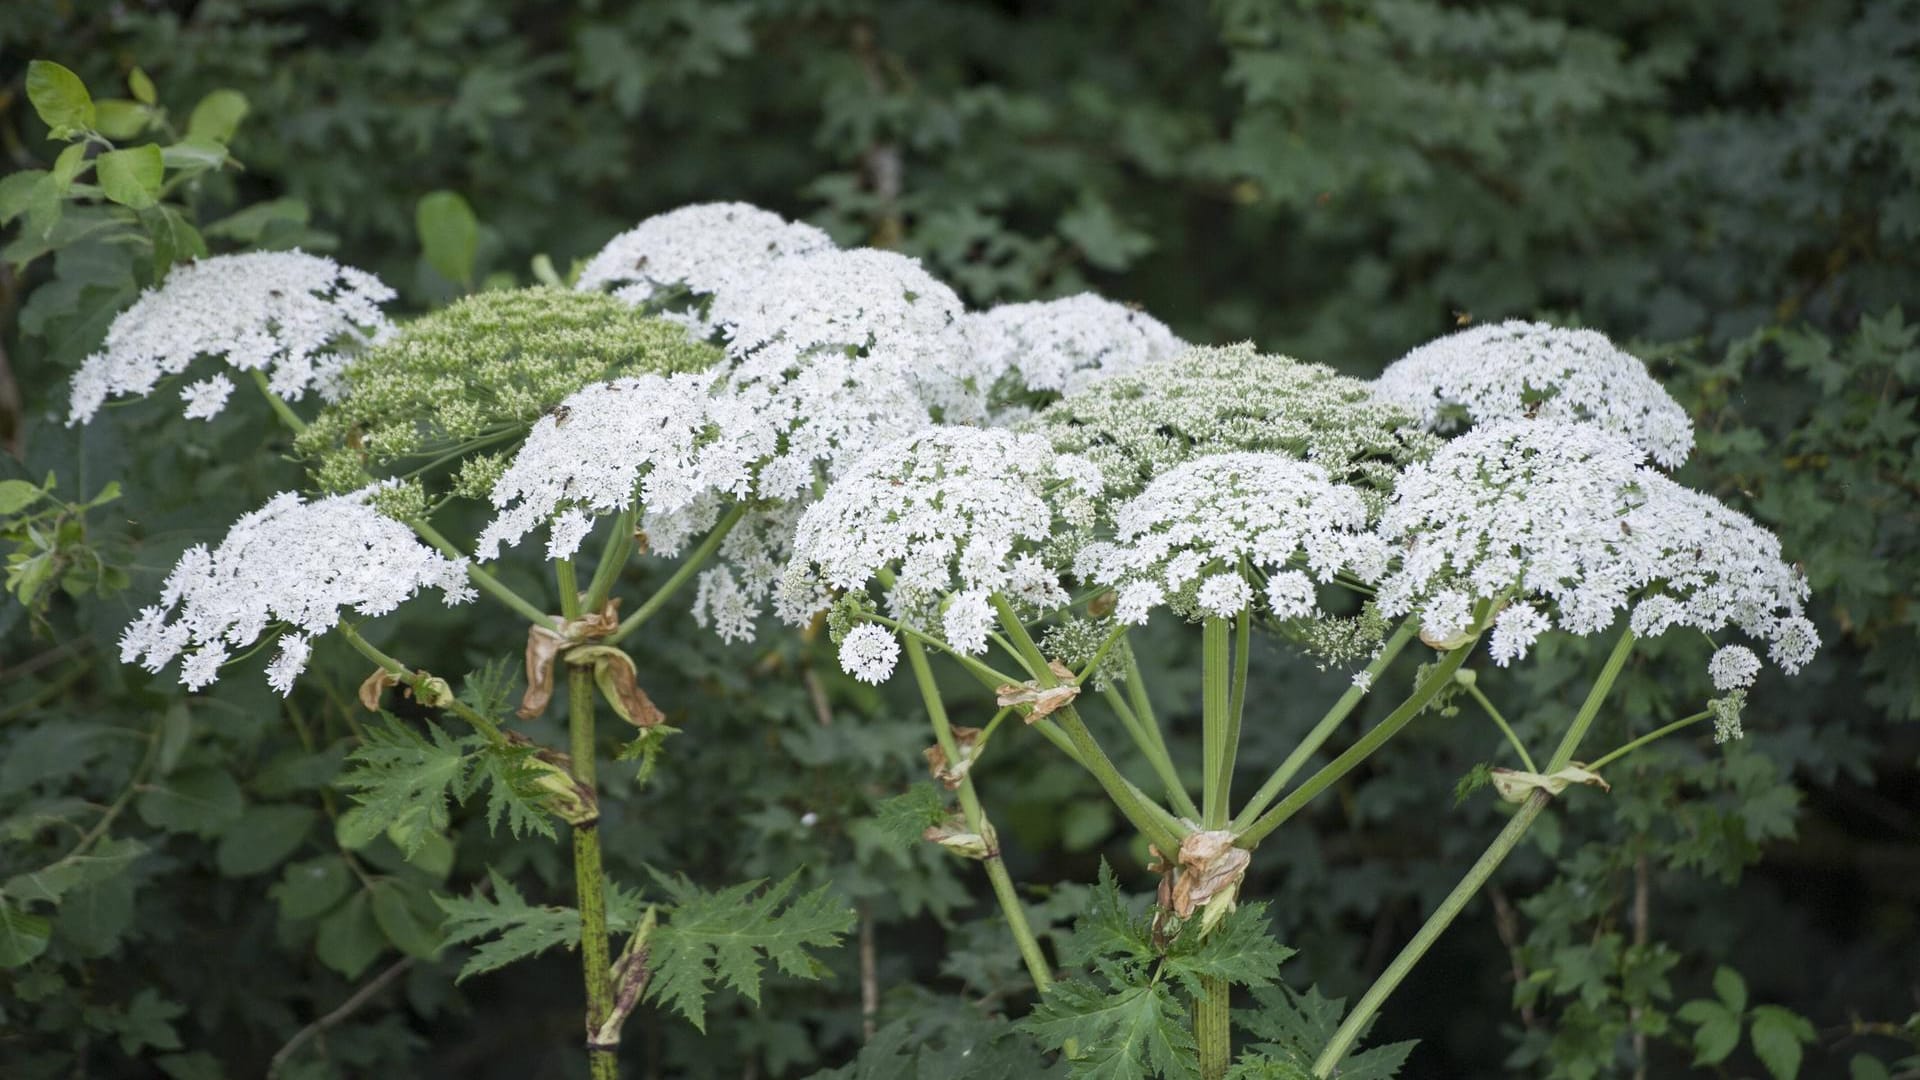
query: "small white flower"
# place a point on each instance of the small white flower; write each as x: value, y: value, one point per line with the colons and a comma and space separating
x: 1058, y: 346
x: 1363, y: 680
x: 1515, y: 369
x: 292, y: 562
x: 1514, y: 631
x: 1568, y: 523
x: 1223, y: 595
x: 951, y: 510
x: 1267, y: 512
x: 565, y: 532
x: 1733, y: 667
x: 1136, y: 601
x: 869, y: 653
x: 205, y: 399
x: 284, y: 310
x: 707, y: 249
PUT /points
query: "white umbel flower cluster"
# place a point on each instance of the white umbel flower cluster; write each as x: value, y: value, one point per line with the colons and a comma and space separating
x: 1193, y: 538
x: 952, y: 512
x: 707, y: 249
x: 1057, y: 346
x: 603, y: 446
x: 293, y: 562
x: 1515, y: 369
x: 1565, y: 525
x: 284, y: 312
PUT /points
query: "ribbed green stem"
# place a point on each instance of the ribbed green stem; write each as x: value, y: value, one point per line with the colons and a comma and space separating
x: 1362, y: 749
x: 1476, y: 875
x: 1143, y: 708
x: 977, y: 823
x: 1215, y: 704
x: 1156, y: 752
x: 1506, y: 729
x: 1213, y: 1027
x: 590, y: 880
x: 1323, y: 730
x: 689, y: 566
x: 1145, y: 815
x: 613, y: 558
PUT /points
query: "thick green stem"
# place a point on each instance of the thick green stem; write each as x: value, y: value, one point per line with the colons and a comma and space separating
x: 688, y: 568
x: 1215, y: 704
x: 1143, y: 708
x: 1156, y: 752
x: 280, y: 408
x: 1213, y: 1027
x: 1152, y: 820
x: 977, y: 823
x: 1477, y: 874
x: 612, y: 559
x: 1362, y: 749
x: 1324, y: 730
x: 590, y: 881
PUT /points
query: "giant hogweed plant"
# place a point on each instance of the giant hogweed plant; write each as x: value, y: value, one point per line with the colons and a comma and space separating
x: 825, y: 432
x: 1245, y: 494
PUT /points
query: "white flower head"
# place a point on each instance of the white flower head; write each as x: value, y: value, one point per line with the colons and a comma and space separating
x: 1189, y: 538
x: 964, y: 511
x: 707, y: 249
x: 1566, y: 525
x: 207, y: 398
x: 1733, y: 667
x: 1058, y: 346
x: 283, y: 312
x: 1514, y: 369
x: 292, y: 562
x: 869, y: 653
x: 603, y: 448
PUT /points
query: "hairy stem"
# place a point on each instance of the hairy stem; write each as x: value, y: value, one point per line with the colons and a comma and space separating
x: 590, y: 881
x: 1477, y: 874
x: 977, y: 823
x: 1213, y: 1027
x: 1323, y: 730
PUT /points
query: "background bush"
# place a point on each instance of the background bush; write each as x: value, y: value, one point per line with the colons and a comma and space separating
x: 1733, y: 186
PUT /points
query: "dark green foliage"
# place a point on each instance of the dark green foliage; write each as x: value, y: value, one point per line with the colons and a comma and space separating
x: 1336, y: 181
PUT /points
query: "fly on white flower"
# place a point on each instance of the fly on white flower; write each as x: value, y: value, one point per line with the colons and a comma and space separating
x: 707, y: 249
x: 283, y: 312
x: 292, y: 562
x: 1515, y: 369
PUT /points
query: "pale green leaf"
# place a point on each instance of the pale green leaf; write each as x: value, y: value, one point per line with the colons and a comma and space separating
x: 131, y: 177
x: 449, y: 235
x: 60, y: 98
x: 217, y: 116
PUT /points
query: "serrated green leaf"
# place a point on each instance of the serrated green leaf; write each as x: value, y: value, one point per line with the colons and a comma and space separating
x: 131, y: 177
x: 901, y: 820
x: 449, y: 235
x: 518, y: 929
x: 22, y: 936
x: 217, y: 117
x: 148, y: 1022
x: 60, y: 98
x: 1240, y: 949
x: 18, y: 190
x: 1132, y: 1032
x: 262, y: 838
x: 722, y: 936
x: 1298, y: 1025
x: 310, y: 888
x: 402, y: 781
x: 514, y: 794
x: 1717, y: 1030
x: 1777, y: 1037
